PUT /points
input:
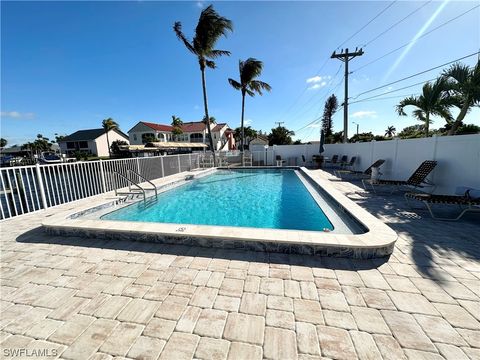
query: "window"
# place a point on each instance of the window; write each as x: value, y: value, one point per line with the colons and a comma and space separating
x: 70, y: 145
x: 83, y: 144
x: 135, y: 137
x: 196, y: 138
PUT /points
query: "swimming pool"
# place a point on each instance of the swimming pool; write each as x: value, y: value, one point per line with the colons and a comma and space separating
x: 272, y: 199
x: 293, y: 211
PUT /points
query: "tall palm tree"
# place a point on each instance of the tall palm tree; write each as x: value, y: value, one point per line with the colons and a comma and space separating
x: 464, y: 83
x: 249, y: 69
x: 109, y: 124
x: 391, y: 131
x: 211, y: 26
x: 433, y: 100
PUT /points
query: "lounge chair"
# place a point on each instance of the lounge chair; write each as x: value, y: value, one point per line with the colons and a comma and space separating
x: 279, y: 160
x: 346, y: 166
x: 366, y: 173
x: 472, y: 203
x: 418, y: 179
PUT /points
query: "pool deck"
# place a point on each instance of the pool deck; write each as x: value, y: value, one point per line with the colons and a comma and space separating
x: 81, y: 298
x: 378, y: 241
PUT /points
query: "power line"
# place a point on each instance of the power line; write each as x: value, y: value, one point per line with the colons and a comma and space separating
x: 368, y: 23
x: 377, y: 97
x: 392, y: 91
x: 408, y: 43
x: 416, y: 74
x: 398, y: 22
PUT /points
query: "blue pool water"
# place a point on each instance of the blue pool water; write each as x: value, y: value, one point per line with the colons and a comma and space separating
x: 273, y: 199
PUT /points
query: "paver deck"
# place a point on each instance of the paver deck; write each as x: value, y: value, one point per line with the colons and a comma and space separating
x: 76, y: 298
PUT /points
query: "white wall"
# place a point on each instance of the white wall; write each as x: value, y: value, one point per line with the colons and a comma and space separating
x: 101, y: 142
x: 458, y: 157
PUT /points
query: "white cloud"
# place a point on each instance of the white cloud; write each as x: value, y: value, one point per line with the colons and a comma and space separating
x: 17, y: 115
x: 196, y: 107
x: 200, y: 4
x: 364, y: 114
x: 248, y: 122
x: 314, y: 79
x: 317, y: 85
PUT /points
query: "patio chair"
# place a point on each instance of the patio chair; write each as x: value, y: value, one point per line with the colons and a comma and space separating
x: 418, y: 179
x: 344, y: 166
x: 366, y: 173
x: 279, y: 160
x: 472, y: 203
x: 333, y: 160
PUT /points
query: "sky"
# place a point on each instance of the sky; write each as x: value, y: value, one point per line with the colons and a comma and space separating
x: 66, y: 66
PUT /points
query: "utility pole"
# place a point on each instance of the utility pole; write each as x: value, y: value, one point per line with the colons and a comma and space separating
x: 346, y: 57
x: 279, y: 123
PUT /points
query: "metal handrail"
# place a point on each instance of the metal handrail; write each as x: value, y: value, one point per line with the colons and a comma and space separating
x: 145, y: 179
x: 130, y: 182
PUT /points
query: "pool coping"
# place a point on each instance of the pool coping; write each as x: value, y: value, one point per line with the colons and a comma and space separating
x: 378, y: 241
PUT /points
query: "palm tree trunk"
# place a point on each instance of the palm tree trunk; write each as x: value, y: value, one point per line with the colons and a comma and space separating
x: 108, y: 144
x: 456, y: 124
x: 427, y: 123
x: 242, y: 139
x: 205, y: 104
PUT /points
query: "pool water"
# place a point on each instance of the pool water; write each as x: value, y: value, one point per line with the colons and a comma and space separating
x: 273, y: 199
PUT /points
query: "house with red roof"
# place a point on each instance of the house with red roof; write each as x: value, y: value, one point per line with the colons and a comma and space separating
x: 193, y: 132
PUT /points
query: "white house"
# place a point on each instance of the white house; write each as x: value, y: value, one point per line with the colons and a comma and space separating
x: 193, y: 132
x: 91, y: 141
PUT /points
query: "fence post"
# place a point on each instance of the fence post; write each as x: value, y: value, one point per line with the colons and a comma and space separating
x: 102, y: 175
x: 40, y: 186
x: 163, y: 170
x: 179, y: 165
x: 138, y: 165
x: 190, y: 161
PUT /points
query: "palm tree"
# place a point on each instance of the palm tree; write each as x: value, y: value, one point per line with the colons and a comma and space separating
x: 211, y: 26
x: 109, y: 124
x: 391, y: 131
x: 249, y: 70
x: 433, y: 100
x: 177, y: 125
x: 464, y: 83
x: 3, y: 142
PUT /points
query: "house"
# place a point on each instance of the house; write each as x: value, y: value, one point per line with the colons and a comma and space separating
x: 91, y: 141
x: 193, y: 132
x: 259, y: 140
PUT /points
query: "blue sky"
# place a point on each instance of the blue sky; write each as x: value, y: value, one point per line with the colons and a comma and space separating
x: 68, y: 65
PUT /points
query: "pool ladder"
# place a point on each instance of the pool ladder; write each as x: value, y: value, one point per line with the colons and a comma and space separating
x: 134, y: 188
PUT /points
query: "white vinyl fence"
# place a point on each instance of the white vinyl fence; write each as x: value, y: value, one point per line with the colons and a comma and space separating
x: 458, y: 157
x: 24, y: 189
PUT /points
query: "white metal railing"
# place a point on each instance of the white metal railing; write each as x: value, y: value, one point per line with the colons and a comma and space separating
x: 25, y: 189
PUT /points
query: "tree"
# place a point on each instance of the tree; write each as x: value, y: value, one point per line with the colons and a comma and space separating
x: 109, y: 124
x: 331, y: 107
x: 3, y: 142
x: 177, y: 125
x: 297, y: 142
x: 249, y: 70
x: 334, y: 138
x: 59, y: 138
x: 248, y: 132
x: 433, y: 100
x: 411, y: 132
x: 280, y: 136
x: 362, y: 137
x: 39, y: 145
x: 210, y: 28
x: 464, y: 85
x: 117, y: 151
x: 212, y: 120
x: 391, y: 131
x: 148, y: 138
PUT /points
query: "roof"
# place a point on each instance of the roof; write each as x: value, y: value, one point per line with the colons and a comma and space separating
x: 187, y: 127
x: 170, y: 144
x: 158, y: 127
x: 89, y: 134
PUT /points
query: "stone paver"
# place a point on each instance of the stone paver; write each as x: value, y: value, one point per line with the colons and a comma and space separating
x: 245, y: 328
x: 335, y: 343
x: 100, y: 299
x: 279, y: 344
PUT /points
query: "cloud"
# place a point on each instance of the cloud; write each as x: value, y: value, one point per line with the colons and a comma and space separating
x: 364, y: 114
x: 196, y: 107
x: 318, y: 81
x: 248, y: 122
x: 17, y: 115
x: 200, y: 4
